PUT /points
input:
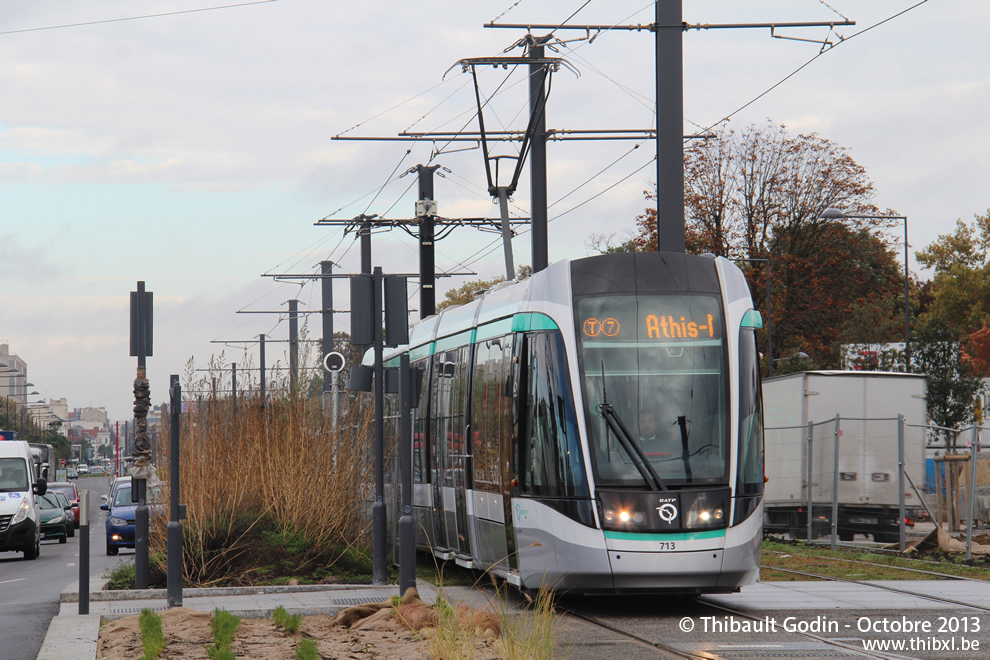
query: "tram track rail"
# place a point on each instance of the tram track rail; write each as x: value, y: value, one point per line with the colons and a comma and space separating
x: 666, y: 648
x: 845, y: 646
x: 677, y: 652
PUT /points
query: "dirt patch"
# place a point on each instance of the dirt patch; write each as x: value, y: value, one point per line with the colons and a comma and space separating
x: 187, y: 633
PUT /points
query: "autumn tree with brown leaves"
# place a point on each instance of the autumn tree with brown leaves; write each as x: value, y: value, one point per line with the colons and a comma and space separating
x: 759, y: 195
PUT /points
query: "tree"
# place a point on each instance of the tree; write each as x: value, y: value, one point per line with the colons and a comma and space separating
x: 960, y: 286
x: 937, y: 350
x: 759, y: 195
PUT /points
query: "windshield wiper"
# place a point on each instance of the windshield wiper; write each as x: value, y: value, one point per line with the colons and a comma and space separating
x: 616, y: 425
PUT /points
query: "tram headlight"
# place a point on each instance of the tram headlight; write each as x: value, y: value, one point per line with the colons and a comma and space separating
x: 704, y: 510
x: 623, y: 519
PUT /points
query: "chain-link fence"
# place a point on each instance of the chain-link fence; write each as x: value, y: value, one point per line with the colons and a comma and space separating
x: 845, y: 477
x: 955, y: 467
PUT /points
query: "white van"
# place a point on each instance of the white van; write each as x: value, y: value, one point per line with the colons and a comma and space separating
x: 20, y: 524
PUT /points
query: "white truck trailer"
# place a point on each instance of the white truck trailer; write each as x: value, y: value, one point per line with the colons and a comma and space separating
x: 807, y: 415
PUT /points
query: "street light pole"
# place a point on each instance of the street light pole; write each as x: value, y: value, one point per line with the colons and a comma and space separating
x: 836, y: 214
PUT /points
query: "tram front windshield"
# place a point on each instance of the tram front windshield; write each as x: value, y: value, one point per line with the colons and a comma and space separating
x: 658, y: 361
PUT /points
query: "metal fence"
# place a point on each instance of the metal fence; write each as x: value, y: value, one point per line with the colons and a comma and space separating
x: 844, y: 477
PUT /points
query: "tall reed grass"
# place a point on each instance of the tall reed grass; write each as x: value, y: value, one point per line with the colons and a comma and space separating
x: 276, y: 476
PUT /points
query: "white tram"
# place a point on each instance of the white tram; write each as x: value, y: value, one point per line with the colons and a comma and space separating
x: 596, y: 428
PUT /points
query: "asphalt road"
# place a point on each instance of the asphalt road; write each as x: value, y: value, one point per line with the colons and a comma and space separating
x: 30, y: 590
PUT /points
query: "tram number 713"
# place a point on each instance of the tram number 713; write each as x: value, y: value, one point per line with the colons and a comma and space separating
x: 666, y: 545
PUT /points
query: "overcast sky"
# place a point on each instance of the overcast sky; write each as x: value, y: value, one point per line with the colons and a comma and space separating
x: 194, y: 151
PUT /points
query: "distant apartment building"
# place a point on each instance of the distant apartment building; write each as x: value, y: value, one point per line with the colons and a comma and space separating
x: 13, y: 376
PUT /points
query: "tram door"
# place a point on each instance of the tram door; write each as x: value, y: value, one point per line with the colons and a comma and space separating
x: 450, y: 456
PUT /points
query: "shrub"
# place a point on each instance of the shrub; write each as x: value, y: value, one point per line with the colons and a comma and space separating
x: 289, y: 622
x: 306, y: 650
x: 152, y: 637
x: 120, y: 576
x: 224, y: 626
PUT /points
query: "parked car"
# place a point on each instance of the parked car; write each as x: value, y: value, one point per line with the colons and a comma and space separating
x: 70, y: 523
x: 121, y: 511
x: 52, y: 519
x: 71, y: 493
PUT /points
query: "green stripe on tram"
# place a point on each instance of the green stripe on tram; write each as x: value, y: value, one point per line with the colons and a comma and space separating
x: 454, y: 341
x: 426, y: 350
x: 527, y: 321
x: 498, y: 328
x: 673, y: 536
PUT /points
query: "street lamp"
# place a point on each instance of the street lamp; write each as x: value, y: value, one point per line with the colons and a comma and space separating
x: 836, y: 214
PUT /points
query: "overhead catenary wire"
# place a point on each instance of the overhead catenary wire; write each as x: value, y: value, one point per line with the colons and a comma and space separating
x: 842, y: 40
x: 136, y: 18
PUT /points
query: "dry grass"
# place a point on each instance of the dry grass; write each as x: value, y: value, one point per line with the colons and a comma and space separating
x: 277, y: 473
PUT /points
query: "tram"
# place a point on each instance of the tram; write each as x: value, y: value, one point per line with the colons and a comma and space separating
x: 595, y: 428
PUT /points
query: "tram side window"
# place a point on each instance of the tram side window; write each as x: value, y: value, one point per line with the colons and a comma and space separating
x: 449, y: 394
x: 551, y: 453
x: 491, y: 410
x: 421, y: 457
x: 750, y: 467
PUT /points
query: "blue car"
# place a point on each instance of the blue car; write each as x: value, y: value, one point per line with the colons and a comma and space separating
x: 120, y: 518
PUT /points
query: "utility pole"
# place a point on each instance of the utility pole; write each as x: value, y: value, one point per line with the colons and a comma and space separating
x: 423, y: 227
x: 668, y: 33
x: 326, y: 313
x: 141, y: 347
x: 538, y: 153
x: 293, y: 346
x: 426, y: 211
x: 261, y: 350
x: 365, y: 234
x: 670, y: 123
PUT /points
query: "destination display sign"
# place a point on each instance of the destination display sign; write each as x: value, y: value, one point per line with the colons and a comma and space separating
x: 650, y: 318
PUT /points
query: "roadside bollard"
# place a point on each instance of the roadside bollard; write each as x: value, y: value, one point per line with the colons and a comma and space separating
x: 84, y: 554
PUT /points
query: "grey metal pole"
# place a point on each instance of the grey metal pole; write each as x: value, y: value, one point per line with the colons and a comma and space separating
x: 811, y: 446
x: 769, y: 325
x: 971, y: 491
x: 538, y: 158
x: 427, y: 253
x: 333, y: 398
x: 379, y: 523
x: 670, y: 126
x: 326, y: 314
x: 293, y: 345
x: 907, y: 306
x: 407, y: 524
x: 365, y: 234
x: 503, y: 207
x: 142, y: 518
x: 233, y: 385
x: 174, y: 533
x: 835, y: 483
x: 84, y: 554
x: 900, y: 480
x: 262, y: 351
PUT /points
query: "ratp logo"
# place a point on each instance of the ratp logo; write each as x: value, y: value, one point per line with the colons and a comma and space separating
x: 521, y: 512
x: 667, y: 512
